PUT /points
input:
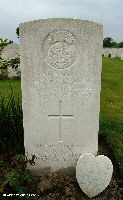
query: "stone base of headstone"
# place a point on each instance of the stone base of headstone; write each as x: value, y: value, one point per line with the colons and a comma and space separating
x: 53, y: 157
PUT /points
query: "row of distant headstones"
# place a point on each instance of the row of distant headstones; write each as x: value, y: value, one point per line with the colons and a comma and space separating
x: 113, y: 52
x: 12, y: 50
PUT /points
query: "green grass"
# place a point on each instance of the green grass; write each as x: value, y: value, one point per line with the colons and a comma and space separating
x: 5, y: 88
x: 111, y: 111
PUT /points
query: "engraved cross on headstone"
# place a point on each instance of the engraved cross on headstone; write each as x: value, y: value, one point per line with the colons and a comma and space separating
x: 60, y: 116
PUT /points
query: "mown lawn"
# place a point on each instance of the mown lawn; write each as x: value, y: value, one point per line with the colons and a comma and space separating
x: 111, y: 112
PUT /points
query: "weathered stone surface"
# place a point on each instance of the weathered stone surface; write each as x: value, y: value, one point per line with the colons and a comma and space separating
x: 10, y: 51
x: 61, y: 80
x: 93, y: 173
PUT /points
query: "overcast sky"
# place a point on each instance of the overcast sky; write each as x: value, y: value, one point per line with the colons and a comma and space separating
x: 109, y: 12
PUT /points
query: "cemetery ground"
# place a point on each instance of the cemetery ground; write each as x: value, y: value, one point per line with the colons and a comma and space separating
x: 57, y: 186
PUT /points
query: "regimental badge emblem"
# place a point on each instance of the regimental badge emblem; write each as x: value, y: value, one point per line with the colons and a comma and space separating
x: 60, y: 49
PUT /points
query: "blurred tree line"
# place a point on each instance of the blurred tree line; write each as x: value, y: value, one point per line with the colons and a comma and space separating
x: 109, y: 42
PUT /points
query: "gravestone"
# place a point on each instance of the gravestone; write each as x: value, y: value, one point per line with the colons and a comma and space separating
x: 119, y: 52
x: 122, y: 56
x: 61, y: 80
x: 9, y: 52
x: 113, y: 52
x: 106, y: 52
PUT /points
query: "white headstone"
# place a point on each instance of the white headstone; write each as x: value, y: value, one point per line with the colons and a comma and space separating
x: 113, y: 52
x: 119, y: 53
x: 12, y: 72
x: 61, y: 80
x: 9, y: 52
x: 106, y: 52
x: 122, y: 56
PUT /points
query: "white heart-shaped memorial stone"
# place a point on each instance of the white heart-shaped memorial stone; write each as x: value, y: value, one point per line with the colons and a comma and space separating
x: 93, y: 173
